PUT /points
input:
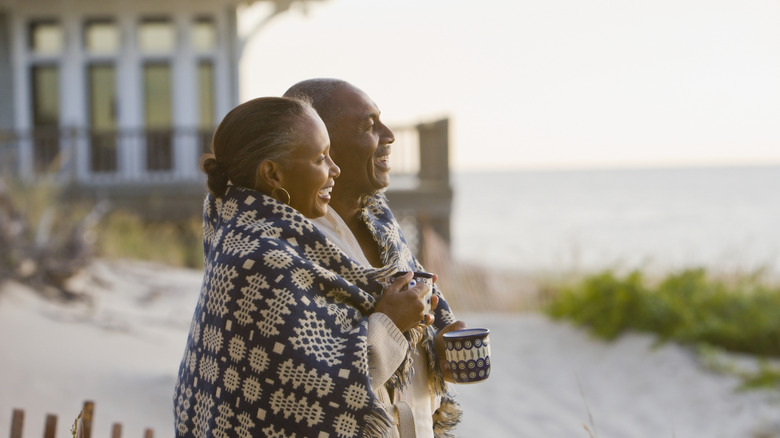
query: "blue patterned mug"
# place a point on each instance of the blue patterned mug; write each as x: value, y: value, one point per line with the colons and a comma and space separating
x: 468, y: 354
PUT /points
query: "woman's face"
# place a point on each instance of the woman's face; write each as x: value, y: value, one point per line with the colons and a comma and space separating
x: 309, y: 173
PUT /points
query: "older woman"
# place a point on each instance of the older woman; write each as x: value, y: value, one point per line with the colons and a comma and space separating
x: 278, y: 344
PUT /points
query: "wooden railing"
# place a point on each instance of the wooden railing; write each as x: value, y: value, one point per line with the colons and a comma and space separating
x: 155, y: 173
x: 88, y: 157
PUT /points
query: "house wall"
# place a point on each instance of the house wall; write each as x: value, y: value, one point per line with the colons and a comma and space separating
x: 73, y: 61
x: 6, y: 77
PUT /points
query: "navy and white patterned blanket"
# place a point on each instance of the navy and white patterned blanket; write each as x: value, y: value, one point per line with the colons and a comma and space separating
x: 277, y: 345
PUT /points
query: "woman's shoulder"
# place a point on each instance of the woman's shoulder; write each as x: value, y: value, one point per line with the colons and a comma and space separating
x: 261, y: 221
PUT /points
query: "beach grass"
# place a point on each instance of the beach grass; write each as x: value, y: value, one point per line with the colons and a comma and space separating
x: 716, y: 314
x: 39, y: 221
x: 124, y: 234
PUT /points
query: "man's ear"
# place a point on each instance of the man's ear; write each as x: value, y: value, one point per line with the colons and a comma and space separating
x: 268, y: 175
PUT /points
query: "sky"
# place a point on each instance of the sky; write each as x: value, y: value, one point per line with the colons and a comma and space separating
x: 531, y: 84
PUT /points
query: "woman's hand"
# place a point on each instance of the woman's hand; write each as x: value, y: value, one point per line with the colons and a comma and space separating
x: 438, y: 343
x: 404, y: 307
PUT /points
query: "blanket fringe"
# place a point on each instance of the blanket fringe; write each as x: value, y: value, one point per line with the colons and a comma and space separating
x: 380, y: 423
x: 447, y: 417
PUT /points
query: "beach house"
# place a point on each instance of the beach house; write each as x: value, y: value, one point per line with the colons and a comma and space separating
x: 117, y: 99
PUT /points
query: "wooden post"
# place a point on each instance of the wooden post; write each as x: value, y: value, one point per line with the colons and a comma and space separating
x: 148, y: 433
x: 85, y: 431
x: 17, y: 422
x: 50, y: 429
x: 116, y: 430
x: 435, y: 174
x: 434, y: 152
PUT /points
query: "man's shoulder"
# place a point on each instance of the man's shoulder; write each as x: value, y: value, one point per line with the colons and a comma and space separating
x: 379, y: 206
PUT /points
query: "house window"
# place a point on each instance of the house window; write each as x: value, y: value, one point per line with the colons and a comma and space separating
x: 204, y: 35
x: 45, y: 37
x: 101, y: 85
x: 101, y: 37
x: 158, y: 113
x: 46, y: 96
x: 45, y: 81
x: 156, y: 35
x: 206, y: 99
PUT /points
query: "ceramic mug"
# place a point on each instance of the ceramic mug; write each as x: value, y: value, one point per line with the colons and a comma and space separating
x: 468, y: 354
x: 424, y: 277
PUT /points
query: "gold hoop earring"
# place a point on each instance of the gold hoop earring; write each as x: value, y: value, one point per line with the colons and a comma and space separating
x: 276, y: 196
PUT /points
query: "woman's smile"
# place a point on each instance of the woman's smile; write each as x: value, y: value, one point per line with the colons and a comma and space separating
x: 324, y: 192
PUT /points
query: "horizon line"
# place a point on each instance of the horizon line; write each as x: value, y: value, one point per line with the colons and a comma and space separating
x: 615, y: 166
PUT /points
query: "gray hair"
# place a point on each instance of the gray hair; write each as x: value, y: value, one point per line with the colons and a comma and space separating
x: 265, y: 128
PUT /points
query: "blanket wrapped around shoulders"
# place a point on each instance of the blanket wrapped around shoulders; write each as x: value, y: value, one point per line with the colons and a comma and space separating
x: 277, y: 345
x: 395, y: 251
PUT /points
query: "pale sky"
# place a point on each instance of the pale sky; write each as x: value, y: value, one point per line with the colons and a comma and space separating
x: 548, y: 83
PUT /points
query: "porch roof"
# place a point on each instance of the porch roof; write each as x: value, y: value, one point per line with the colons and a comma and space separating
x: 280, y: 5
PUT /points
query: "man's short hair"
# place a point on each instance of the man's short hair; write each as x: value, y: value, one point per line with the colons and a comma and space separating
x: 319, y: 92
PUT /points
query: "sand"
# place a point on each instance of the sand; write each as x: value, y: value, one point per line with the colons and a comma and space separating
x: 121, y: 349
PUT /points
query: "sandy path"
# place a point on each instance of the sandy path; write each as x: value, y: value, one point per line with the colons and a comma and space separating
x: 123, y: 352
x: 548, y: 376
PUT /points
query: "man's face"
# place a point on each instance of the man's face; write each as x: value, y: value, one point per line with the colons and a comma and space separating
x: 360, y: 143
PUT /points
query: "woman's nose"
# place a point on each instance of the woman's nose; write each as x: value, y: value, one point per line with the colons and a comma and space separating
x: 335, y: 170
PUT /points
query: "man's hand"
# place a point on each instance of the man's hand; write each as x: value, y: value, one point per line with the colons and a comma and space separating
x: 429, y: 319
x: 438, y: 343
x: 404, y: 307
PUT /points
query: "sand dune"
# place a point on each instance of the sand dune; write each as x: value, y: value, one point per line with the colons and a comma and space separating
x: 122, y: 349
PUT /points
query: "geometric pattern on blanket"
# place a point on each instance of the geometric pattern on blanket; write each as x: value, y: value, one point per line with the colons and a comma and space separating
x: 277, y: 344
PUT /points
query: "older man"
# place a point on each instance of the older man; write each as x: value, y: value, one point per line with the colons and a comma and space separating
x: 407, y: 370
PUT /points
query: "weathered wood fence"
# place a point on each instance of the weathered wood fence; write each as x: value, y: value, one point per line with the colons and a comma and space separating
x: 82, y: 427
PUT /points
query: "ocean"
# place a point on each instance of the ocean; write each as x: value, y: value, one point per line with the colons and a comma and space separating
x: 726, y: 219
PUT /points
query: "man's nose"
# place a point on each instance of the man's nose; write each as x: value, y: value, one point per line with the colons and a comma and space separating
x: 387, y: 134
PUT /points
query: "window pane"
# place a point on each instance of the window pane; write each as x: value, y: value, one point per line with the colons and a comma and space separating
x: 46, y: 96
x: 102, y: 117
x: 157, y: 105
x: 46, y: 37
x: 101, y: 37
x: 46, y: 116
x: 156, y: 36
x: 102, y: 80
x: 157, y: 95
x: 204, y: 35
x: 206, y: 94
x: 206, y: 102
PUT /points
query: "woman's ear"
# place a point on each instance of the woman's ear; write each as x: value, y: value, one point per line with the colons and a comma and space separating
x: 268, y: 176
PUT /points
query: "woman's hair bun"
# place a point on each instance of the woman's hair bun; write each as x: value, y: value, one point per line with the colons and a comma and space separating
x: 217, y: 179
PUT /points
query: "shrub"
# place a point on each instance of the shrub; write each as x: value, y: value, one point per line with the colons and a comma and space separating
x: 127, y: 235
x: 715, y: 315
x: 741, y: 314
x: 44, y: 240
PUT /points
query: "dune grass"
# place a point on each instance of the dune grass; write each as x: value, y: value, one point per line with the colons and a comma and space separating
x: 739, y: 314
x: 126, y: 235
